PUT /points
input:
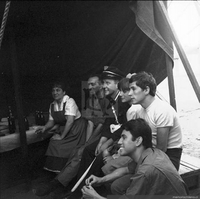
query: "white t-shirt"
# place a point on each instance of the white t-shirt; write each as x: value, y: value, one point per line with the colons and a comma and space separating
x: 70, y: 107
x: 161, y: 114
x: 130, y: 114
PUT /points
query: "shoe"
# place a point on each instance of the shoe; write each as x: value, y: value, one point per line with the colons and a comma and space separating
x: 46, y: 188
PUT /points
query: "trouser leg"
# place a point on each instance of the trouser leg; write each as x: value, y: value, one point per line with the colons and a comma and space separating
x: 87, y: 157
x: 70, y: 170
x: 175, y: 156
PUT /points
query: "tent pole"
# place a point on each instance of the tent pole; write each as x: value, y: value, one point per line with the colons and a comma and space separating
x: 19, y: 106
x: 170, y: 82
x: 180, y: 50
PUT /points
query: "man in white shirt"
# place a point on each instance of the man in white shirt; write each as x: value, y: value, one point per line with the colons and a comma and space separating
x: 161, y: 117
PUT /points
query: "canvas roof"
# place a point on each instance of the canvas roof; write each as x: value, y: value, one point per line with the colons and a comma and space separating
x: 72, y: 39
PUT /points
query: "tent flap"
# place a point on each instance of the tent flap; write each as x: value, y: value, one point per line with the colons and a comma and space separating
x: 69, y: 40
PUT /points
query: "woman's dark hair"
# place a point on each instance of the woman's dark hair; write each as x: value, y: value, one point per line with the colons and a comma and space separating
x: 59, y: 84
x: 139, y: 128
x: 123, y: 84
x: 144, y: 79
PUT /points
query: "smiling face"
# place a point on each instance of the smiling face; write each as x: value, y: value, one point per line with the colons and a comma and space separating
x: 127, y: 145
x: 110, y: 86
x: 94, y: 85
x: 58, y: 93
x: 137, y: 94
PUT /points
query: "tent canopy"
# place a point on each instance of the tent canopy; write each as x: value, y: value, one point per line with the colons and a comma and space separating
x: 69, y: 40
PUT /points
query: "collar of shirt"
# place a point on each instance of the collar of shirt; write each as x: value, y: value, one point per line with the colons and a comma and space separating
x: 65, y: 98
x: 111, y: 100
x: 143, y: 156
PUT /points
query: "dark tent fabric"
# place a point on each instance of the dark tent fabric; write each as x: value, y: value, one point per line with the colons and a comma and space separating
x: 72, y: 39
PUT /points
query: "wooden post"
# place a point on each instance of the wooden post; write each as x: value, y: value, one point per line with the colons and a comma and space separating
x: 179, y: 48
x: 170, y: 82
x: 19, y: 106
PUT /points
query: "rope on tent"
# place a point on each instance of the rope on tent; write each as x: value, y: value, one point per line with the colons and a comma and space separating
x: 3, y: 24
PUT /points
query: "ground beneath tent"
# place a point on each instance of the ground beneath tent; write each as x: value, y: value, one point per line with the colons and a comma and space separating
x: 190, y: 124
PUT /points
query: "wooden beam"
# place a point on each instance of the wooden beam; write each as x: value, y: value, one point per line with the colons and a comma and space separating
x: 171, y: 82
x: 179, y: 48
x: 18, y: 100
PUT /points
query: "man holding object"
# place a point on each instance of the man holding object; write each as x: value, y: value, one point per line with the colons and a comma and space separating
x: 154, y: 175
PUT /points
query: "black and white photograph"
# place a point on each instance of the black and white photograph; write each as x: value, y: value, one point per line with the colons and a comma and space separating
x: 100, y: 99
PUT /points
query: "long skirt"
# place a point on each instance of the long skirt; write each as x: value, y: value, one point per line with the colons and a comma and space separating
x: 59, y: 151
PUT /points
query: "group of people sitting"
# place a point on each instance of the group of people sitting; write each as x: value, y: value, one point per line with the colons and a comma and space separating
x: 134, y: 136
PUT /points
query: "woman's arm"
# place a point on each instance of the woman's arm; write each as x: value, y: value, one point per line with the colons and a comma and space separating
x: 46, y: 127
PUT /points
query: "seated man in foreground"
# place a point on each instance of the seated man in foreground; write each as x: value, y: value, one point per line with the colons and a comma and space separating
x: 154, y: 175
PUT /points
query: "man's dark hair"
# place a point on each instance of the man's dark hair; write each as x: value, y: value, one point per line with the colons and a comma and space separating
x: 95, y: 75
x: 144, y: 79
x: 139, y: 128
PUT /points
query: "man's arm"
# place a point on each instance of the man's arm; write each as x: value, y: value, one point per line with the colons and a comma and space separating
x: 110, y: 177
x: 95, y: 133
x: 106, y: 144
x: 101, y: 142
x: 162, y: 138
x: 89, y: 130
x: 115, y: 174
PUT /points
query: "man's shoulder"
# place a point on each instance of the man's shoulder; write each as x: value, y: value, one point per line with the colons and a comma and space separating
x: 157, y: 160
x: 161, y: 104
x: 162, y: 107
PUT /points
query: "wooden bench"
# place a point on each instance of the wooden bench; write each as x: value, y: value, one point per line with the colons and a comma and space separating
x: 190, y: 170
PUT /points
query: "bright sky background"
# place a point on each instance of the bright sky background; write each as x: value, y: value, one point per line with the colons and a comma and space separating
x: 185, y: 18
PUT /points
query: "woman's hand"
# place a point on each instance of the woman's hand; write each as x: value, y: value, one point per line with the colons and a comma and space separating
x: 92, y: 180
x: 56, y: 137
x: 40, y: 129
x: 90, y: 193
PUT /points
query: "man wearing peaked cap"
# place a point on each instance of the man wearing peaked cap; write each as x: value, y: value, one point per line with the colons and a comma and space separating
x: 111, y: 72
x: 110, y: 77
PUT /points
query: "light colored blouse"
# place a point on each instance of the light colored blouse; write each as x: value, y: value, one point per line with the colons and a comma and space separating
x: 71, y: 107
